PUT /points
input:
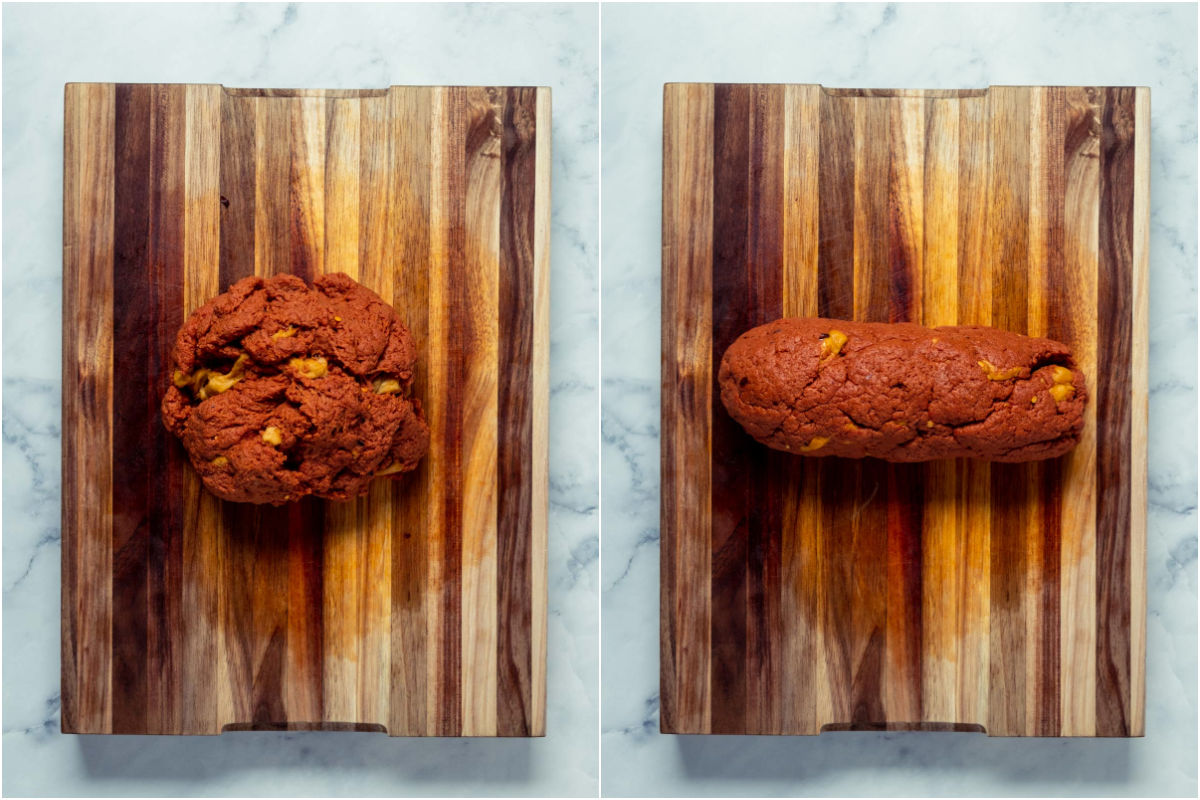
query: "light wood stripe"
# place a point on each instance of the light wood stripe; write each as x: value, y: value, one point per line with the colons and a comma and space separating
x: 480, y: 408
x: 1140, y: 409
x: 271, y: 166
x: 801, y: 221
x: 344, y: 539
x: 974, y: 490
x: 1039, y: 197
x: 201, y: 250
x: 903, y: 660
x: 687, y: 243
x: 1035, y: 474
x: 265, y: 592
x: 343, y: 191
x: 439, y: 235
x: 1007, y: 228
x: 939, y: 286
x: 1053, y: 170
x: 305, y: 652
x: 87, y: 402
x: 906, y: 194
x: 376, y: 517
x: 308, y: 150
x: 238, y: 190
x: 1081, y: 259
x: 412, y: 138
x: 802, y: 648
x: 540, y: 445
x: 378, y: 265
x: 341, y: 601
x: 941, y: 536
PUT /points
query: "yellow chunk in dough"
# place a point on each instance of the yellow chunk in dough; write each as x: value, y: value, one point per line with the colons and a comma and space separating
x: 994, y: 373
x: 309, y: 367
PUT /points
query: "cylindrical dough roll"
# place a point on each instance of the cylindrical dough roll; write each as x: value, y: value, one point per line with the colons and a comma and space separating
x: 902, y: 392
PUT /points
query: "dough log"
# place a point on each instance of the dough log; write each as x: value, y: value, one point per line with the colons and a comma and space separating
x: 902, y: 392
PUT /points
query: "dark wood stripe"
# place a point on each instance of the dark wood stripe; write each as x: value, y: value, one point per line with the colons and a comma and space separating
x: 264, y: 530
x: 133, y: 461
x: 764, y: 273
x: 874, y: 272
x: 237, y: 189
x: 1050, y: 613
x: 1008, y: 247
x: 904, y: 244
x: 731, y: 461
x: 514, y: 512
x: 1114, y: 300
x: 410, y: 561
x: 835, y: 258
x: 863, y: 624
x: 671, y: 459
x: 161, y: 290
x: 1049, y: 644
x: 455, y: 292
x: 273, y: 526
x: 866, y: 629
x: 254, y: 545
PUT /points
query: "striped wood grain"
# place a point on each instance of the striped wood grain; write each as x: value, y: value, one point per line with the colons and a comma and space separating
x: 417, y: 610
x: 801, y: 595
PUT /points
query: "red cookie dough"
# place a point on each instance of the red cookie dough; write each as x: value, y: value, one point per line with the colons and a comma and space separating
x: 901, y: 392
x: 282, y: 389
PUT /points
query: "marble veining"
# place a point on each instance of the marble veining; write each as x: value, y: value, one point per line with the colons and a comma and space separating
x: 872, y: 46
x: 275, y: 46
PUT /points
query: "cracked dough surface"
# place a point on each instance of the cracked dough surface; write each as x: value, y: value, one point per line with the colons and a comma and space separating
x: 902, y: 392
x: 283, y: 389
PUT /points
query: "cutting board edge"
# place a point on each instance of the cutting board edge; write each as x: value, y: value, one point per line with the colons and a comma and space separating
x: 247, y: 91
x: 1138, y: 451
x: 948, y: 94
x: 79, y: 359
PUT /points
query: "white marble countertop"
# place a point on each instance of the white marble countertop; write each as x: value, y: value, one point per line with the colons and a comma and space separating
x: 274, y: 46
x: 895, y: 46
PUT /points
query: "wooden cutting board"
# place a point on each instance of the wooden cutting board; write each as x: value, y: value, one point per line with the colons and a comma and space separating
x: 419, y: 610
x: 801, y: 595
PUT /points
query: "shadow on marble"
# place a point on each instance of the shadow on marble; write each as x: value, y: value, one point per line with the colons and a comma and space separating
x: 799, y: 758
x: 411, y: 759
